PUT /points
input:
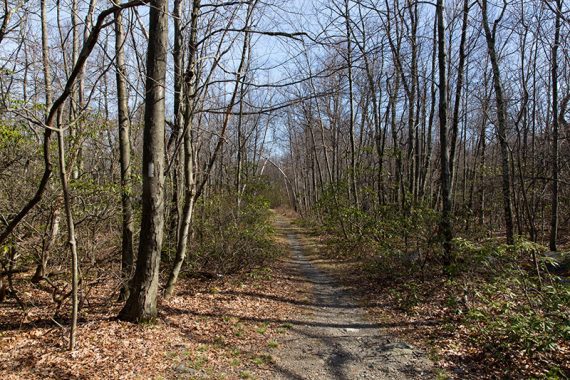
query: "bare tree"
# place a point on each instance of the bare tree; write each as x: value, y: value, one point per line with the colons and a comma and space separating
x: 555, y: 127
x: 141, y: 304
x: 127, y: 252
x: 446, y: 227
x: 490, y: 37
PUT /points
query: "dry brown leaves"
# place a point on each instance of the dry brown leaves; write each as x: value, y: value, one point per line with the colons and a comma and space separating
x: 215, y: 329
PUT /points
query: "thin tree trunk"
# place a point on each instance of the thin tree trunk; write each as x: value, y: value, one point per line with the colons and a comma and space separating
x: 446, y: 226
x: 127, y: 252
x: 71, y: 240
x: 353, y: 186
x: 459, y: 88
x: 501, y: 119
x: 555, y: 164
x: 55, y: 215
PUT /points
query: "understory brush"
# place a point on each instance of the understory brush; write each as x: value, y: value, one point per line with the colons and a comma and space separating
x: 228, y: 238
x: 497, y: 305
x: 515, y: 311
x: 384, y: 236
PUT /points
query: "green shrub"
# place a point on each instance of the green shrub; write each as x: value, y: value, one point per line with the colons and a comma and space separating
x: 503, y: 293
x: 229, y: 239
x: 515, y: 310
x: 383, y: 234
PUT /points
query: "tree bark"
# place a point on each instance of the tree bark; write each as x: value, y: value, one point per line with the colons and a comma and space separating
x: 555, y: 164
x: 353, y: 187
x: 501, y: 119
x: 141, y: 304
x: 127, y: 253
x: 446, y: 226
x: 71, y: 240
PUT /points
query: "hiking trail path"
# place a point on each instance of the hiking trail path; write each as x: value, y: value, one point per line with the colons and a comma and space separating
x: 334, y: 338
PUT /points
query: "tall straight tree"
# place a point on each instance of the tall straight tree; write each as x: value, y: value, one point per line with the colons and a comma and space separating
x: 446, y: 227
x: 127, y: 256
x: 490, y: 37
x: 555, y: 154
x: 141, y: 304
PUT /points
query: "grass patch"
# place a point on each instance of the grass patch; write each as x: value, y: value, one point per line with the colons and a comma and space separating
x: 262, y: 329
x: 245, y: 375
x: 262, y: 360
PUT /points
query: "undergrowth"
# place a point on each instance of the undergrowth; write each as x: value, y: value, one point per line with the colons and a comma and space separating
x: 228, y: 237
x: 499, y: 303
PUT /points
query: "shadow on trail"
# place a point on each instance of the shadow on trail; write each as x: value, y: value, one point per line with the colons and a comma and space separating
x: 332, y: 339
x: 169, y: 310
x: 290, y: 300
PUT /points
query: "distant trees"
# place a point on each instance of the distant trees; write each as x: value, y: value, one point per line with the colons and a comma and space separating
x: 481, y: 72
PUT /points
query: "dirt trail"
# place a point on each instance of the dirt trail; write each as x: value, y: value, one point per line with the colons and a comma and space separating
x: 334, y: 339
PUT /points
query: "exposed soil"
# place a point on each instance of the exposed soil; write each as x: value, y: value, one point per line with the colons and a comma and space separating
x: 332, y: 337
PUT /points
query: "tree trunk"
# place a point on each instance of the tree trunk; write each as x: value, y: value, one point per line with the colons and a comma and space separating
x: 555, y: 169
x: 353, y: 186
x: 459, y: 88
x: 501, y: 120
x: 127, y: 253
x: 49, y: 240
x: 446, y: 227
x: 71, y: 240
x: 141, y: 304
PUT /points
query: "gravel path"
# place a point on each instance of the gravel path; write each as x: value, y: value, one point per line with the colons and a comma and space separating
x: 334, y: 339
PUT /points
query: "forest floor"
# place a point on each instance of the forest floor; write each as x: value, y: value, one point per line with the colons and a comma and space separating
x: 307, y: 314
x: 289, y: 320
